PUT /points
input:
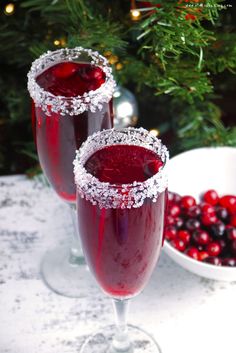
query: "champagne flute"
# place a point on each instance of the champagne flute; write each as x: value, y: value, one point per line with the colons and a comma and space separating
x: 71, y: 91
x: 121, y: 202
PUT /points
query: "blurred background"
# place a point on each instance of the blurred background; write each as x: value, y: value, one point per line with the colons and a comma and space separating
x: 174, y: 62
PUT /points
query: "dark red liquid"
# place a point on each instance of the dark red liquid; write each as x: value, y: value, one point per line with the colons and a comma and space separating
x: 58, y: 136
x: 122, y: 245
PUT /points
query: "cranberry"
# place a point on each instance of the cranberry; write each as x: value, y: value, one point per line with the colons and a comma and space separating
x: 208, y: 219
x: 193, y: 252
x: 179, y: 222
x: 224, y: 246
x: 184, y: 235
x: 222, y: 213
x: 174, y: 197
x: 213, y: 260
x: 231, y: 233
x: 211, y: 197
x: 233, y: 220
x: 229, y: 202
x: 178, y: 244
x: 213, y: 249
x: 97, y: 74
x: 233, y: 247
x: 174, y: 210
x: 64, y: 70
x: 218, y: 229
x: 193, y: 211
x: 192, y: 224
x: 188, y: 201
x: 201, y: 237
x: 229, y: 261
x: 170, y: 220
x: 170, y: 232
x: 207, y: 208
x: 202, y: 255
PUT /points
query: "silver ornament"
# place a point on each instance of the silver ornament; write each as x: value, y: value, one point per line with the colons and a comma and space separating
x: 125, y: 108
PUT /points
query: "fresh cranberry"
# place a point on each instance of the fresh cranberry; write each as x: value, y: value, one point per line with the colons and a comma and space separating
x: 230, y: 233
x: 174, y: 210
x: 97, y: 74
x: 178, y: 244
x: 64, y: 70
x: 188, y: 201
x: 179, y: 222
x: 213, y: 249
x: 211, y: 197
x: 193, y: 252
x: 170, y: 220
x: 174, y: 197
x: 224, y: 246
x: 233, y: 247
x: 193, y: 211
x: 170, y: 232
x: 218, y: 229
x: 207, y: 208
x: 192, y: 224
x: 184, y: 235
x: 208, y: 219
x: 213, y: 260
x: 202, y: 255
x: 222, y: 213
x: 229, y: 261
x: 201, y: 237
x: 233, y: 220
x: 229, y: 202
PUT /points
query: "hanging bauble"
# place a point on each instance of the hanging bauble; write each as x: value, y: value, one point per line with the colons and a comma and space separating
x: 125, y: 108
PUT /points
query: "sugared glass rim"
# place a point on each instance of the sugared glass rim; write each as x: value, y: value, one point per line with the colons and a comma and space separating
x: 107, y: 195
x: 50, y: 103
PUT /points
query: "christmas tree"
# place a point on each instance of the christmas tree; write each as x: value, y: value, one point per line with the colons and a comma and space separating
x: 177, y: 57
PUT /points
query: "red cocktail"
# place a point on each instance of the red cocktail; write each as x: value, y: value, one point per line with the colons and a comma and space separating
x: 68, y: 111
x: 72, y: 93
x: 121, y: 202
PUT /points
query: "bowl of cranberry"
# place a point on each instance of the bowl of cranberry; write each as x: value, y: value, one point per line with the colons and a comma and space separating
x: 200, y: 232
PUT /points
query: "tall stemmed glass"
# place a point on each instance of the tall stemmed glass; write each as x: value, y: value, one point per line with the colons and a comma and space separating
x: 71, y: 90
x: 121, y: 200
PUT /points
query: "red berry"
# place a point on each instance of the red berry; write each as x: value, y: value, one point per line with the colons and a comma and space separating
x: 231, y: 233
x: 229, y: 202
x: 178, y: 244
x: 213, y: 260
x: 174, y: 197
x: 170, y: 233
x: 192, y: 224
x: 64, y: 70
x: 170, y: 220
x: 174, y: 210
x: 184, y: 235
x: 193, y: 252
x: 222, y: 213
x: 193, y: 211
x: 202, y: 255
x: 207, y: 208
x: 188, y: 201
x: 208, y: 219
x: 233, y: 247
x: 213, y: 249
x: 201, y: 237
x: 179, y: 222
x: 211, y: 197
x: 229, y: 261
x: 233, y: 220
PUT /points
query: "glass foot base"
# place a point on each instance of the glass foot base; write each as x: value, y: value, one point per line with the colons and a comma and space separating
x: 62, y: 277
x: 101, y: 342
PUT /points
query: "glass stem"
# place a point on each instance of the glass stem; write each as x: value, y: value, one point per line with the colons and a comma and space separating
x: 76, y: 255
x: 121, y: 342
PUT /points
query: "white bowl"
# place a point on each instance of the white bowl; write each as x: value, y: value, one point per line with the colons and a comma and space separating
x: 192, y: 173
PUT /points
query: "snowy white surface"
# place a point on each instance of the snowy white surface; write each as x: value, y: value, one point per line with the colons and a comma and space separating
x: 185, y: 313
